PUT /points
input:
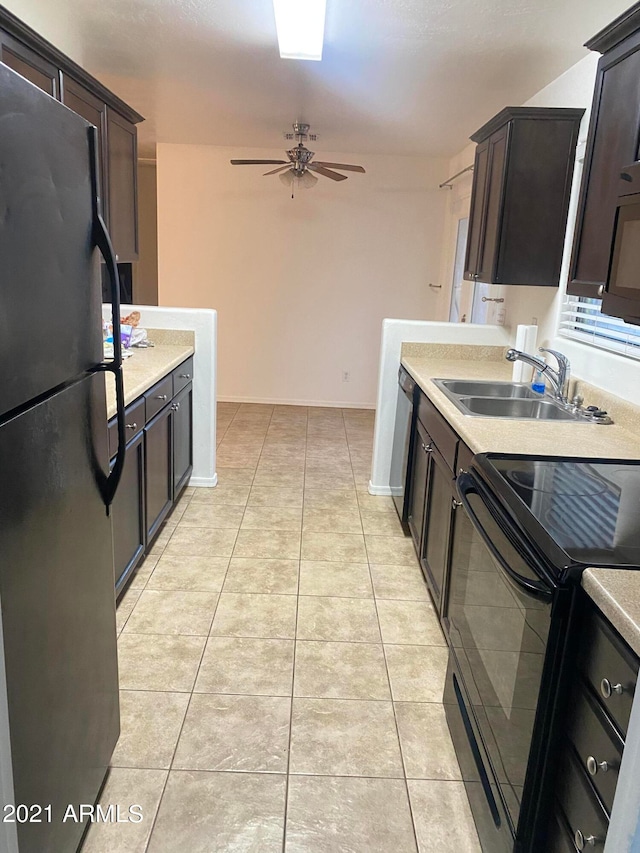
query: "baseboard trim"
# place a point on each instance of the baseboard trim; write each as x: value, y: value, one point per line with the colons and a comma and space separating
x: 272, y: 401
x: 379, y: 490
x: 204, y: 482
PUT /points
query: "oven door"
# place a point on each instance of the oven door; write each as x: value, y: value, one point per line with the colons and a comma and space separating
x: 498, y: 620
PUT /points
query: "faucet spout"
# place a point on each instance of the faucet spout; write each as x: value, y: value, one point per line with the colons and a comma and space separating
x: 558, y: 379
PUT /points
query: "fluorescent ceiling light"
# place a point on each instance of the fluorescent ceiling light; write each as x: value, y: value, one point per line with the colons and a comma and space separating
x: 300, y: 27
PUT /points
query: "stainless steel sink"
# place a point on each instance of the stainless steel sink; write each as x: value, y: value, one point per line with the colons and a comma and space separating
x: 477, y: 388
x: 516, y: 400
x: 494, y: 407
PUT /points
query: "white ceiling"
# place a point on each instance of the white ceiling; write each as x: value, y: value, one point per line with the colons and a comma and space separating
x: 397, y: 76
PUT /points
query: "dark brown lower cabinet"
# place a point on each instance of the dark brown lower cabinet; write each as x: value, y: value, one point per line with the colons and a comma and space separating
x: 436, y: 539
x: 128, y: 513
x: 182, y: 438
x: 418, y: 484
x: 158, y: 470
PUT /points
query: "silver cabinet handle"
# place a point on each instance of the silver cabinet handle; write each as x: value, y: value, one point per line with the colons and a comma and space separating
x: 593, y: 766
x: 161, y: 397
x: 583, y: 841
x: 426, y: 447
x: 131, y: 426
x: 185, y: 376
x: 175, y: 407
x: 607, y: 688
x: 601, y: 290
x: 455, y: 504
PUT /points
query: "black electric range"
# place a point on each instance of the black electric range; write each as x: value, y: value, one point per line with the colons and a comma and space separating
x: 579, y: 512
x: 525, y: 531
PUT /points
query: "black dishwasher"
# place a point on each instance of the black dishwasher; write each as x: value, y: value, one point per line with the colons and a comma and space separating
x: 402, y: 450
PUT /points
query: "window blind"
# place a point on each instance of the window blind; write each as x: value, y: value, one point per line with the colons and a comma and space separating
x: 583, y: 320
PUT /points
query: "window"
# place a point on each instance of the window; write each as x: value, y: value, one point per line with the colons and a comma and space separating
x: 582, y: 320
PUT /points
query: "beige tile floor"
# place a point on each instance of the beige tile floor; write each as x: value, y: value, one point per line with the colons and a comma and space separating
x: 281, y: 664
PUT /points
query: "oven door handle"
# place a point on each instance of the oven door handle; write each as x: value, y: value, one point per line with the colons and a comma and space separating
x: 465, y: 485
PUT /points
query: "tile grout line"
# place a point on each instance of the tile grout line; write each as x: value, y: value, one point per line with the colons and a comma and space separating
x: 295, y: 644
x: 393, y: 708
x: 204, y: 649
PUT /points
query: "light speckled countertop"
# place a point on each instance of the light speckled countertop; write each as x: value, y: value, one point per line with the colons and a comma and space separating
x: 536, y: 438
x: 615, y: 591
x: 145, y: 368
x: 617, y: 594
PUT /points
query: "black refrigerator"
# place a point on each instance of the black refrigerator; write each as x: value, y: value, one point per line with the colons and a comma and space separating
x: 59, y: 713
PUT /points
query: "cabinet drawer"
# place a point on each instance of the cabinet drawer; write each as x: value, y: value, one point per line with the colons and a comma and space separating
x: 156, y: 398
x: 182, y: 375
x: 579, y: 804
x: 559, y: 840
x: 595, y: 741
x: 441, y: 433
x: 609, y: 667
x: 133, y: 423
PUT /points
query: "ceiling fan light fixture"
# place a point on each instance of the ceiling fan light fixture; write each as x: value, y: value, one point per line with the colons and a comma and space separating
x: 308, y: 179
x: 300, y: 28
x: 287, y: 177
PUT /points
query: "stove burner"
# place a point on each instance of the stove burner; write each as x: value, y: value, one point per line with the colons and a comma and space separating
x: 571, y: 481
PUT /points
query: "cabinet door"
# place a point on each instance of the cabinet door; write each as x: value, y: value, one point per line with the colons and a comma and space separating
x: 122, y: 186
x: 29, y: 64
x: 476, y: 216
x: 612, y: 143
x: 493, y: 204
x: 434, y: 555
x: 158, y: 470
x: 128, y: 513
x: 418, y: 483
x: 182, y: 429
x: 81, y: 101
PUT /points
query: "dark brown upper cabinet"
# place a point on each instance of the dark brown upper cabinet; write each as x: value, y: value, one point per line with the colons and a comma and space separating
x: 41, y: 63
x: 79, y: 99
x: 30, y: 64
x: 122, y: 194
x: 520, y: 197
x: 612, y: 144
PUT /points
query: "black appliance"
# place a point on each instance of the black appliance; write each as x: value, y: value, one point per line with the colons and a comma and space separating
x: 528, y: 529
x: 623, y: 282
x: 402, y: 450
x: 59, y: 714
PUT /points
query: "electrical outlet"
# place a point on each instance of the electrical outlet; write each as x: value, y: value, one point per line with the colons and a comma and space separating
x: 346, y: 376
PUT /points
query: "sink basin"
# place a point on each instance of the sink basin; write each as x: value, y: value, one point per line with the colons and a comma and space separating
x: 479, y: 399
x: 477, y: 388
x: 494, y: 407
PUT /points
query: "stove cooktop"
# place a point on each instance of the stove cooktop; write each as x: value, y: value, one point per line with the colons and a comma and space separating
x: 589, y: 508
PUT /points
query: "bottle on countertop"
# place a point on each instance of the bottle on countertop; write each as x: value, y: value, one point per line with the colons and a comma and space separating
x: 538, y: 384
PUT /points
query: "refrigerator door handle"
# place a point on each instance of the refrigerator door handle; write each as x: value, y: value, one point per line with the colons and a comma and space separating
x: 102, y: 240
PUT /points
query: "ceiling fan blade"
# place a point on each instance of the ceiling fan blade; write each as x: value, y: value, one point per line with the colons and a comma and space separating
x: 345, y: 166
x: 255, y: 162
x: 316, y: 167
x: 279, y: 169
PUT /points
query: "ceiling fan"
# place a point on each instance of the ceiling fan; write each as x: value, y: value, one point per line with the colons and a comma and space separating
x: 299, y: 168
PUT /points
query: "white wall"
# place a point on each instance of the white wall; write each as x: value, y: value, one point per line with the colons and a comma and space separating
x: 301, y: 286
x: 52, y: 21
x: 394, y: 333
x: 618, y: 375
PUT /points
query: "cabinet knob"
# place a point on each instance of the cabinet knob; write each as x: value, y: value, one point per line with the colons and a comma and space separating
x: 131, y: 426
x: 607, y: 688
x: 175, y: 407
x: 601, y: 291
x: 426, y: 447
x: 582, y: 841
x: 455, y: 504
x: 185, y: 376
x: 593, y: 766
x: 161, y: 397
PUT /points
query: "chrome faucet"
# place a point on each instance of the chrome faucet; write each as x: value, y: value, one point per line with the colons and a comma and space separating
x: 559, y: 378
